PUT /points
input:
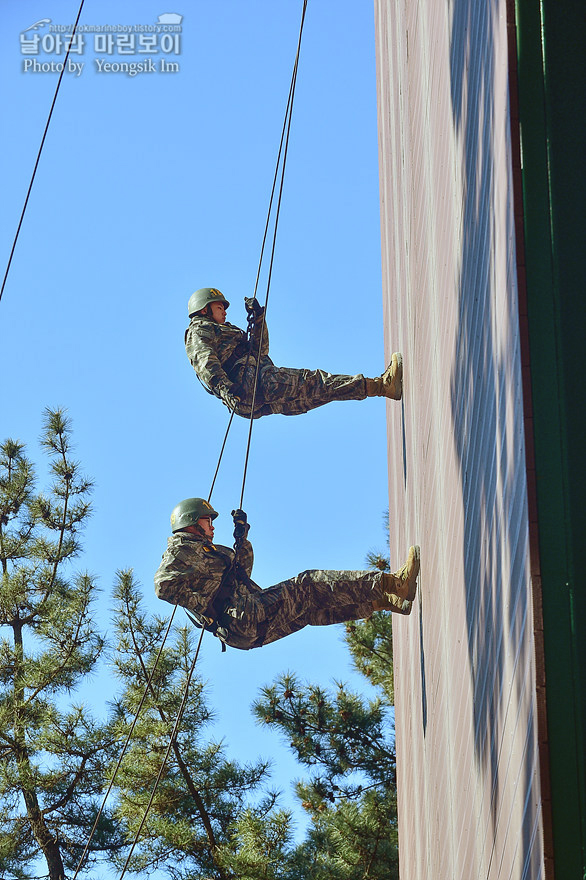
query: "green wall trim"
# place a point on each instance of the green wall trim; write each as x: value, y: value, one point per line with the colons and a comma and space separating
x: 551, y: 55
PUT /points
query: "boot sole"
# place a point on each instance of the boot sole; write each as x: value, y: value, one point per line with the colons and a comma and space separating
x: 401, y: 606
x: 414, y: 560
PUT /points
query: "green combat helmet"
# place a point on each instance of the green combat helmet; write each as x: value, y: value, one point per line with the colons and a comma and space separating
x: 189, y: 511
x: 203, y: 297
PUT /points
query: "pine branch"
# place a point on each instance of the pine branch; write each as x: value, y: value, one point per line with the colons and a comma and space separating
x: 180, y: 763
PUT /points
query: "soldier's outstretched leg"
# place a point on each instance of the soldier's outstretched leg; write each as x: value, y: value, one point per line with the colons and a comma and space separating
x: 294, y: 391
x: 390, y: 384
x: 318, y: 598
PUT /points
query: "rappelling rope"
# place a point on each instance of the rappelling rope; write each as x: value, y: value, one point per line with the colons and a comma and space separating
x: 283, y: 147
x: 284, y: 140
x: 221, y: 454
x: 166, y: 756
x: 40, y: 150
x: 125, y: 746
x: 281, y: 167
x: 14, y: 243
x: 278, y: 179
x: 22, y: 215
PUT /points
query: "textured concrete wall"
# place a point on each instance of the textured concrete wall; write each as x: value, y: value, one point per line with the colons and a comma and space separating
x: 466, y: 713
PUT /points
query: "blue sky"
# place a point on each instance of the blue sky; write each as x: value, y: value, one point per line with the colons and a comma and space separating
x: 150, y: 187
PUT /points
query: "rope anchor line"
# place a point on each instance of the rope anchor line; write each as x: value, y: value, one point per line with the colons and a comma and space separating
x: 38, y: 159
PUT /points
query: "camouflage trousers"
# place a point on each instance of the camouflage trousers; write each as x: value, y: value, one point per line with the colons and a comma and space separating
x: 312, y: 598
x: 291, y: 392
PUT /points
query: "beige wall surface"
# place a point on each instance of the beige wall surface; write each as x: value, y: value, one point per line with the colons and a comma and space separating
x: 466, y: 716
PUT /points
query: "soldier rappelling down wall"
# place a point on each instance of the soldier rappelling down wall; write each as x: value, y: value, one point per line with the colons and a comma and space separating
x: 213, y: 583
x: 225, y: 359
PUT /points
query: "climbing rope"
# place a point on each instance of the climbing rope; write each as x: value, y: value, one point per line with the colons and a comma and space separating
x: 284, y: 140
x: 125, y: 746
x: 221, y: 454
x: 278, y: 181
x: 32, y: 180
x: 165, y: 757
x: 278, y: 178
x: 14, y: 243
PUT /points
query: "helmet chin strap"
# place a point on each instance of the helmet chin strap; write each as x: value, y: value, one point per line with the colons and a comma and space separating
x: 195, y: 530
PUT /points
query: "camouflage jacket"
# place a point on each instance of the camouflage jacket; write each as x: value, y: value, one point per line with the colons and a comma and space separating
x: 217, y: 350
x: 191, y: 571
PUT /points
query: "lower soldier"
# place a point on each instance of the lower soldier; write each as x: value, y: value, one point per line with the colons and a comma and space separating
x: 215, y: 587
x: 225, y: 360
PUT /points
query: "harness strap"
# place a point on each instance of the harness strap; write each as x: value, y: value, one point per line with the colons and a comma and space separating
x: 216, y: 620
x: 241, y: 351
x: 201, y: 621
x: 217, y: 607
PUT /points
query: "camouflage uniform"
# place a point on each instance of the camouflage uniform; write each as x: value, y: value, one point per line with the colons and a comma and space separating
x: 191, y: 574
x: 219, y: 352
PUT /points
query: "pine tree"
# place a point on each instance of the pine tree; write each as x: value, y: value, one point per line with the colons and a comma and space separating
x: 371, y: 641
x: 51, y: 749
x: 351, y: 793
x: 210, y: 816
x: 348, y: 745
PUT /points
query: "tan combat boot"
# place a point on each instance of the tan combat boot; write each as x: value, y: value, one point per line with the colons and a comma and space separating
x: 390, y: 384
x: 402, y: 584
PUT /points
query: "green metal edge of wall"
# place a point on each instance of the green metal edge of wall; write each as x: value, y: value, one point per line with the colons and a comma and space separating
x: 551, y: 57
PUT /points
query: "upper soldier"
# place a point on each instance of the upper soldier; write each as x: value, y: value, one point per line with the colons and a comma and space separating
x: 226, y: 363
x: 213, y: 583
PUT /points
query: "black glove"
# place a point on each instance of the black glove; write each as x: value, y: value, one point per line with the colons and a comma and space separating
x: 241, y: 525
x: 253, y: 307
x: 228, y: 393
